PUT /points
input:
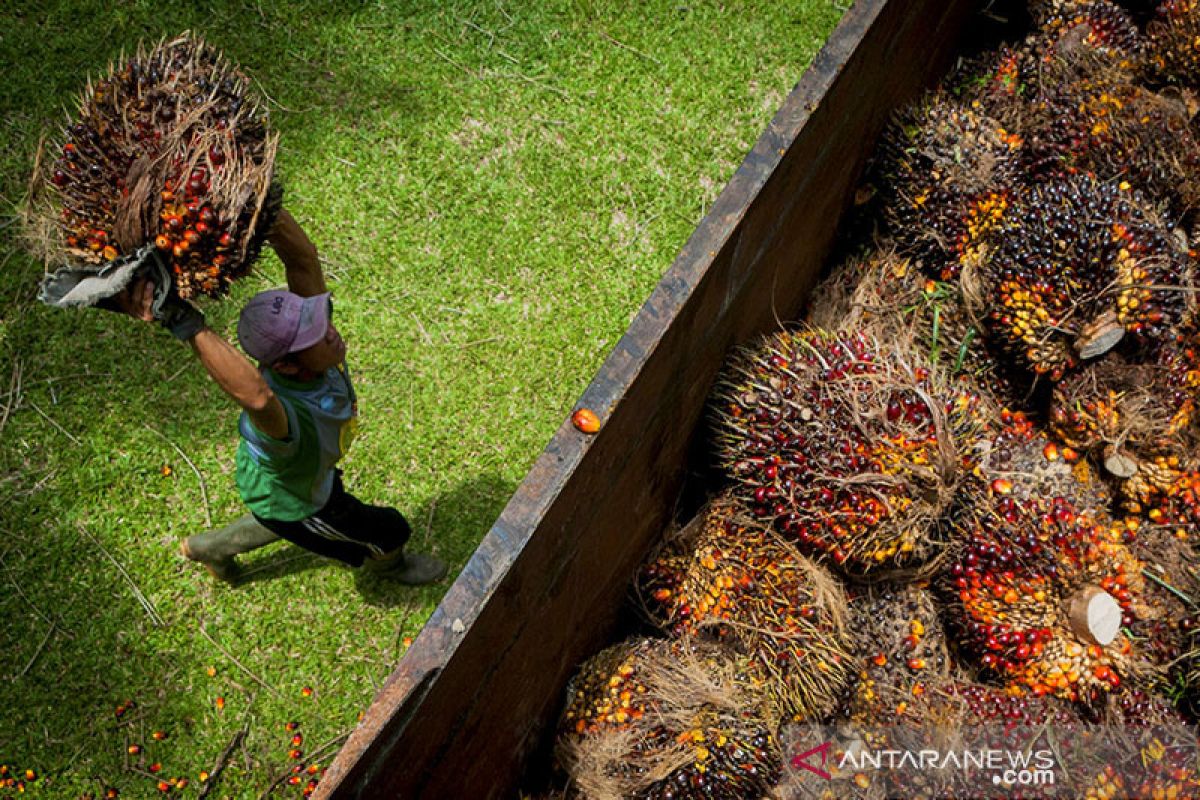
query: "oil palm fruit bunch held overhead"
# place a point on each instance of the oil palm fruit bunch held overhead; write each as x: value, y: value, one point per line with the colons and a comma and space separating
x: 169, y: 156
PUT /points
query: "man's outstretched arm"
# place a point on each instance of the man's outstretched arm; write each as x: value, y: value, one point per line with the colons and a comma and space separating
x: 299, y: 256
x: 232, y: 371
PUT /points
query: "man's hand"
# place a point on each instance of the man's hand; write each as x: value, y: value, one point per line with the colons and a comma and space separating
x: 137, y: 299
x: 177, y: 315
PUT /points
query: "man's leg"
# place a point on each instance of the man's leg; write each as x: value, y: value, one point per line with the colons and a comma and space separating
x: 359, y: 534
x: 217, y: 549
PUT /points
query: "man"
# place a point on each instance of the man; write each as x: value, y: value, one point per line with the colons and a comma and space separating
x: 298, y: 418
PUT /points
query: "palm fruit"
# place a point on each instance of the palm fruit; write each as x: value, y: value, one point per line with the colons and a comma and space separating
x: 1039, y: 583
x: 1129, y: 414
x: 900, y: 650
x: 1078, y: 265
x: 852, y: 449
x: 889, y: 295
x: 653, y: 720
x: 946, y: 171
x: 1173, y: 43
x: 171, y: 149
x: 1106, y: 124
x: 727, y: 576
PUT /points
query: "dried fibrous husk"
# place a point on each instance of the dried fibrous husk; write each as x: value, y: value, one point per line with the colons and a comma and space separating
x: 1170, y: 593
x: 653, y: 719
x: 852, y: 447
x: 727, y: 577
x: 1034, y: 537
x: 171, y: 149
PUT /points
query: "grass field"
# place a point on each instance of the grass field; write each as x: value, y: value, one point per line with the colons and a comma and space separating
x: 494, y: 188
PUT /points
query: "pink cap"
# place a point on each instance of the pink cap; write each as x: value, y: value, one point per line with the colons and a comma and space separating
x: 279, y: 322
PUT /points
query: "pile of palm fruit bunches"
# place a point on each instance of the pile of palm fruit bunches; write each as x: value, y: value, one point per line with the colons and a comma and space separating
x: 964, y: 490
x: 169, y: 152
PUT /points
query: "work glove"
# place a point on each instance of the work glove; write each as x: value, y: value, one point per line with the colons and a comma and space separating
x: 174, y: 313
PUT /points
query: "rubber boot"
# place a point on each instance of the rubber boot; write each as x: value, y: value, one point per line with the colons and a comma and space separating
x: 412, y: 569
x: 216, y: 550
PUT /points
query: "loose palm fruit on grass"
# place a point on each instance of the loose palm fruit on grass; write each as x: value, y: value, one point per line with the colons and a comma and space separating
x: 899, y: 649
x: 170, y: 149
x: 655, y: 719
x: 851, y: 448
x: 945, y: 174
x: 1040, y: 587
x: 728, y: 577
x: 1173, y: 51
x: 1078, y: 266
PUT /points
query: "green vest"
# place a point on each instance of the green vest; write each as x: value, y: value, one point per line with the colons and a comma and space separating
x: 291, y: 479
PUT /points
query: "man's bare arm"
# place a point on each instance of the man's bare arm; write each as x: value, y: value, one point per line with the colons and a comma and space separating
x: 242, y: 381
x: 299, y: 256
x: 232, y: 371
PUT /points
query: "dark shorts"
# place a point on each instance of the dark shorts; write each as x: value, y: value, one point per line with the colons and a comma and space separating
x: 346, y: 528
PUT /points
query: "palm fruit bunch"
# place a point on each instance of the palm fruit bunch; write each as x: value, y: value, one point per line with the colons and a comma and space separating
x: 945, y: 173
x: 852, y: 449
x: 1039, y: 584
x: 170, y: 150
x: 1173, y: 52
x: 1079, y: 264
x: 1087, y: 26
x: 729, y: 577
x: 1170, y: 591
x: 655, y: 720
x: 900, y: 651
x: 1131, y: 413
x: 1147, y: 747
x: 890, y: 295
x: 1106, y: 124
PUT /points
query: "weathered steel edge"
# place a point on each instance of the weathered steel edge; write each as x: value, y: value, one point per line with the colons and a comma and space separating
x: 365, y: 768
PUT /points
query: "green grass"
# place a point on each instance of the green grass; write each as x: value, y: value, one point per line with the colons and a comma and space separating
x: 495, y: 189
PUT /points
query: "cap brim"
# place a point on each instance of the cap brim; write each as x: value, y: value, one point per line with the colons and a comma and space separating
x: 314, y: 322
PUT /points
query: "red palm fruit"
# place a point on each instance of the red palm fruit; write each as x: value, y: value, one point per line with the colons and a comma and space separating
x: 851, y: 449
